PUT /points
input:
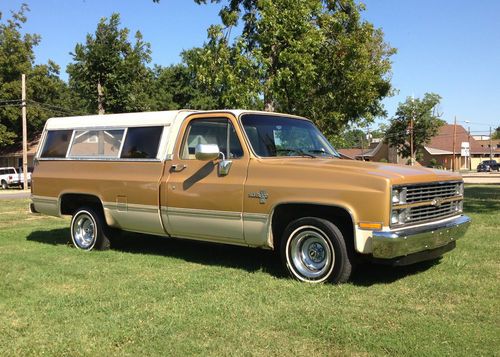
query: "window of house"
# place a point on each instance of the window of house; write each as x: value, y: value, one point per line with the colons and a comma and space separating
x: 96, y: 143
x: 142, y: 143
x: 217, y: 131
x: 56, y: 144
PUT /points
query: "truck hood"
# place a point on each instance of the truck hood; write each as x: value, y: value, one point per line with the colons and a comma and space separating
x: 395, y: 173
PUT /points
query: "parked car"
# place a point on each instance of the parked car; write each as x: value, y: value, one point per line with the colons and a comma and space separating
x: 255, y: 179
x: 488, y: 165
x: 10, y: 177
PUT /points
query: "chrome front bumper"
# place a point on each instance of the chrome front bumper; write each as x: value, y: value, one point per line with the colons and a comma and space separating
x: 392, y: 244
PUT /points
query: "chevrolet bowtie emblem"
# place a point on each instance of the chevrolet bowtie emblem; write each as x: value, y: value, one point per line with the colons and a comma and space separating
x: 437, y: 202
x: 261, y: 195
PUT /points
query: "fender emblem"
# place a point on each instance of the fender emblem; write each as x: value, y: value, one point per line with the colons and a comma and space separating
x: 261, y: 195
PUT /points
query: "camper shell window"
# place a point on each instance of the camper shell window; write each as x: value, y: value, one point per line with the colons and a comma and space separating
x: 56, y: 144
x: 97, y: 143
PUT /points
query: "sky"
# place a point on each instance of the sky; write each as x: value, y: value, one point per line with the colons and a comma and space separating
x: 449, y: 47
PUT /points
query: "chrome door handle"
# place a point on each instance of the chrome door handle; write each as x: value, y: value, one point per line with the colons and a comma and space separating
x: 177, y: 168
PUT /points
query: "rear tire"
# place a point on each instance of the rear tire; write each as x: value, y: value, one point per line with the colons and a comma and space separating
x: 4, y: 185
x: 313, y: 250
x: 88, y: 230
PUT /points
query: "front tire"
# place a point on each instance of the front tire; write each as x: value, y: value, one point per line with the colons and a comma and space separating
x: 313, y: 250
x: 88, y: 230
x: 4, y: 185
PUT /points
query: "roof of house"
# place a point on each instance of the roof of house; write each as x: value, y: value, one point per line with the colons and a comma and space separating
x: 17, y: 150
x: 442, y: 143
x: 350, y: 153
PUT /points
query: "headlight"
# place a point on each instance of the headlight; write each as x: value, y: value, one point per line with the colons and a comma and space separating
x: 398, y: 195
x: 460, y: 189
x: 395, y: 196
x: 399, y: 216
x: 395, y: 217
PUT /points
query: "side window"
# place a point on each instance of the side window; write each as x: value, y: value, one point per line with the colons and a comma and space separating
x: 211, y: 131
x: 12, y: 171
x: 142, y: 143
x: 96, y: 143
x: 56, y: 144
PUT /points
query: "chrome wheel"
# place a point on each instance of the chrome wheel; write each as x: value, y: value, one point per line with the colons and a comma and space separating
x: 310, y: 253
x: 84, y: 230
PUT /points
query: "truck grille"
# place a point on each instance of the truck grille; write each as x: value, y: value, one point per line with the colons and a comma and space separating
x: 426, y: 202
x: 419, y: 193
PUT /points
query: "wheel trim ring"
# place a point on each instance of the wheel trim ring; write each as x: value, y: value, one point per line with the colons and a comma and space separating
x: 301, y: 238
x: 84, y: 230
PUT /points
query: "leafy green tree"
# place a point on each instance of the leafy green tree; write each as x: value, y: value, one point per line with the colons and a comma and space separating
x: 307, y: 57
x: 109, y: 73
x: 496, y: 134
x: 426, y: 123
x: 223, y: 75
x: 45, y: 90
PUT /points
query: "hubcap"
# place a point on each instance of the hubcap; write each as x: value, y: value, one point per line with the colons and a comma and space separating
x: 310, y: 252
x: 84, y: 231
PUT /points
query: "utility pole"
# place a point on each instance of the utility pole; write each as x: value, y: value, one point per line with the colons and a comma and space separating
x: 454, y: 141
x: 411, y: 132
x: 25, y: 132
x: 362, y: 147
x: 491, y: 147
x: 470, y: 154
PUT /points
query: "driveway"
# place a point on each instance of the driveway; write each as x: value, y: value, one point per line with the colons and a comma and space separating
x: 14, y: 194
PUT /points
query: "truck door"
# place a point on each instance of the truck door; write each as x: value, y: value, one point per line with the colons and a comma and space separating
x: 201, y: 203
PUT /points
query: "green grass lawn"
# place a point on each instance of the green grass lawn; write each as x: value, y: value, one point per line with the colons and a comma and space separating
x: 157, y: 296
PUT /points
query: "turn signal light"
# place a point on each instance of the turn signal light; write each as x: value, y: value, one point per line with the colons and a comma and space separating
x: 370, y: 225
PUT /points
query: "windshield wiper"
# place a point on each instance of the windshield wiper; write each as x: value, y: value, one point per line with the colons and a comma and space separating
x: 320, y: 151
x: 298, y: 151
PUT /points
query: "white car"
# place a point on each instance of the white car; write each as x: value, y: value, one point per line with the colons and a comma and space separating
x: 10, y: 177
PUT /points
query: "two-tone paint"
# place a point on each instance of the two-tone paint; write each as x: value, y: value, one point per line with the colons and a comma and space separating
x: 186, y: 198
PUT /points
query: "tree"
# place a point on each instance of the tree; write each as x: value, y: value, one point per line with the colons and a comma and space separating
x: 308, y: 57
x: 109, y: 73
x: 426, y: 123
x: 224, y: 76
x: 496, y: 134
x: 45, y: 90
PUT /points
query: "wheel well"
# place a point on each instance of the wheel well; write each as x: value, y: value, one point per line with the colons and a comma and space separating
x: 70, y: 202
x: 286, y: 213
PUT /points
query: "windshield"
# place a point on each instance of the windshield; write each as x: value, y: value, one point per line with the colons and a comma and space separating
x: 272, y: 135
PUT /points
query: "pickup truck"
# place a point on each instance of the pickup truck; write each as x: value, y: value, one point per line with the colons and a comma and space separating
x: 255, y: 179
x: 10, y: 177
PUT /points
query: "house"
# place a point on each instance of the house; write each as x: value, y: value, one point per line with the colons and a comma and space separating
x: 438, y: 152
x: 13, y: 155
x: 440, y: 148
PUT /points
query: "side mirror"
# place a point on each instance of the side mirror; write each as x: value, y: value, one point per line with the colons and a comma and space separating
x: 206, y: 152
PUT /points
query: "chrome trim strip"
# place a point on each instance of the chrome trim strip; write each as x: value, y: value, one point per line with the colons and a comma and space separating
x: 104, y: 159
x: 392, y: 244
x: 192, y: 212
x: 427, y: 203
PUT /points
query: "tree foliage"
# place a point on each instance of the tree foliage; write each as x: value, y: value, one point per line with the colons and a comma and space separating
x: 109, y: 72
x: 308, y: 57
x: 44, y: 87
x: 496, y: 134
x: 426, y: 123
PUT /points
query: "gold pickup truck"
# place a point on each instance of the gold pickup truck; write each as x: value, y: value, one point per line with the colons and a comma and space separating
x: 248, y: 178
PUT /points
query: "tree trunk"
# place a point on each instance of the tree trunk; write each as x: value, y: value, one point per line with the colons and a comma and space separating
x: 100, y: 99
x: 269, y: 105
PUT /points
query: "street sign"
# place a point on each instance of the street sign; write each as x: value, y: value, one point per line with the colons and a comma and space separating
x: 464, y: 149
